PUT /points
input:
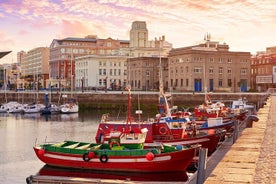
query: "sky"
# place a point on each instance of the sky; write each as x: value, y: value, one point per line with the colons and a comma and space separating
x: 245, y: 25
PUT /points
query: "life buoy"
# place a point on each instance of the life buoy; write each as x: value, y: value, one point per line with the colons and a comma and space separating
x: 112, y: 143
x: 163, y: 130
x: 85, y: 157
x: 104, y: 158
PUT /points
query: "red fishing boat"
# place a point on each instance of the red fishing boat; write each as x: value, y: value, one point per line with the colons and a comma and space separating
x: 164, y: 128
x: 121, y: 151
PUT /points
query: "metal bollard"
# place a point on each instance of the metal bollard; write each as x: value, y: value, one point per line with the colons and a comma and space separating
x: 236, y: 131
x: 201, y: 165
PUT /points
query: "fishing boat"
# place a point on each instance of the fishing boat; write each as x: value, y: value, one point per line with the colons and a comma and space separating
x: 210, y: 109
x: 164, y: 128
x: 116, y: 156
x: 122, y: 151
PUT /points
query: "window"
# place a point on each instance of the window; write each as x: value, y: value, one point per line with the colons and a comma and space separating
x: 108, y: 44
x: 243, y: 71
x: 211, y: 70
x: 197, y: 70
x: 229, y: 82
x: 220, y: 83
x: 100, y: 72
x: 147, y: 73
x: 220, y: 70
x: 229, y: 71
x: 187, y: 82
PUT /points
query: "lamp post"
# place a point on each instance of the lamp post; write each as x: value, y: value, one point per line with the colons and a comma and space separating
x: 82, y: 84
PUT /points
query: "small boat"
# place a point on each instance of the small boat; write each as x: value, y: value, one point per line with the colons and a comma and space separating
x: 70, y: 107
x: 33, y: 108
x: 3, y: 108
x: 124, y: 154
x: 50, y: 109
x: 15, y: 107
x: 240, y: 106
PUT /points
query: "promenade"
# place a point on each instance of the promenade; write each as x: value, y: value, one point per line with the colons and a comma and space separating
x: 252, y: 158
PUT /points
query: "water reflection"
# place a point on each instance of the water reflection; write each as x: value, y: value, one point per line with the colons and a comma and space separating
x: 129, y: 176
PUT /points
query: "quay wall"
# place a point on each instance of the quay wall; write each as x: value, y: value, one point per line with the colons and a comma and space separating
x: 114, y: 99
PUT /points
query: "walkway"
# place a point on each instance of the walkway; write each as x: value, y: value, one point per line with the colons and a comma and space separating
x: 252, y: 158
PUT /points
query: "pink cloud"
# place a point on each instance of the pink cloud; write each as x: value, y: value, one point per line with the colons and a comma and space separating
x: 73, y: 28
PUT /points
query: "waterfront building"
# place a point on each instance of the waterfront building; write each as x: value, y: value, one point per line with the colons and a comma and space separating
x: 63, y: 53
x: 144, y: 73
x: 263, y: 69
x: 34, y: 68
x: 144, y: 59
x: 100, y: 72
x: 209, y: 66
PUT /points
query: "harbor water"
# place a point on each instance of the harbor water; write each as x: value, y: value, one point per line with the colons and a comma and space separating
x: 20, y: 132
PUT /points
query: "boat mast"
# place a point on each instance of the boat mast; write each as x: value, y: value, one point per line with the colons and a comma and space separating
x: 161, y: 86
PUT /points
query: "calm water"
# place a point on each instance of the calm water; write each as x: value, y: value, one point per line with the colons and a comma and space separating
x: 19, y: 133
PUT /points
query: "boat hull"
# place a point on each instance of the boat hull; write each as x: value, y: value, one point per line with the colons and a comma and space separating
x: 164, y: 162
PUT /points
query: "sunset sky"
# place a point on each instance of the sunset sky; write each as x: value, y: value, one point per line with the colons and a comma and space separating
x: 246, y: 25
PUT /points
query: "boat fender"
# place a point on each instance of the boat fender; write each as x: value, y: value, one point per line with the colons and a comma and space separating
x: 163, y: 130
x: 87, y: 156
x: 104, y: 158
x: 41, y: 152
x: 114, y: 142
x: 149, y: 156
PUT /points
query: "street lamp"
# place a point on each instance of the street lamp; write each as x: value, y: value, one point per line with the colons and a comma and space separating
x: 82, y: 84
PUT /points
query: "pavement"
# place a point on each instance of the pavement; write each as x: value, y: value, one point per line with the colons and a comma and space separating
x: 252, y: 157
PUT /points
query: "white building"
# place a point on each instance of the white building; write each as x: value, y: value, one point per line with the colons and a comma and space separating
x: 100, y: 71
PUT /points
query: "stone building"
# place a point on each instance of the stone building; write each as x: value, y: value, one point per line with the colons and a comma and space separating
x: 263, y: 70
x: 209, y: 66
x: 144, y: 72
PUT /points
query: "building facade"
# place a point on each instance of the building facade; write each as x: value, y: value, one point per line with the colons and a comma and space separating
x: 263, y: 70
x: 100, y: 72
x: 144, y: 73
x: 63, y: 53
x: 34, y: 68
x: 208, y: 67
